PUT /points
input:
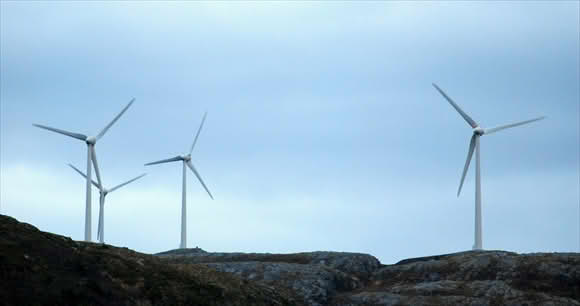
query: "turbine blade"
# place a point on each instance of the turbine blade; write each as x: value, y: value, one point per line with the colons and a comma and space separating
x: 190, y: 165
x: 507, y: 126
x: 198, y: 131
x: 127, y: 182
x: 176, y: 158
x: 114, y: 120
x: 67, y: 133
x: 467, y: 162
x: 96, y: 165
x: 470, y: 121
x: 83, y: 175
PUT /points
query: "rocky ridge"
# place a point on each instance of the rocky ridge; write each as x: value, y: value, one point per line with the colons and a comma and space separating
x: 466, y: 278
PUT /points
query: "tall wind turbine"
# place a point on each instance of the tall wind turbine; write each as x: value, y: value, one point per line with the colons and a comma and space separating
x: 103, y: 192
x: 91, y: 159
x: 474, y: 145
x: 186, y: 161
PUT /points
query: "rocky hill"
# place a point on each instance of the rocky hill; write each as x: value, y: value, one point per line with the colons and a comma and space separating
x: 38, y: 268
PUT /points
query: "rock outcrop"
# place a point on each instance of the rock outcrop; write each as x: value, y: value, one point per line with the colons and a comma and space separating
x: 466, y: 278
x: 474, y: 278
x: 317, y: 276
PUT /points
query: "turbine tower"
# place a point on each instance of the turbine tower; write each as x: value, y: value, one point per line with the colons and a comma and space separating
x: 474, y: 145
x: 91, y: 159
x: 186, y: 161
x: 103, y: 192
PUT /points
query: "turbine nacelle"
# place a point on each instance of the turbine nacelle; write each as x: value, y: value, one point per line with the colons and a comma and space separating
x: 478, y: 131
x: 186, y: 157
x: 91, y: 140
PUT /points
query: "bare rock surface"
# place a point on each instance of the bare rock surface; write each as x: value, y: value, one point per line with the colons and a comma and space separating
x: 315, y: 276
x: 474, y: 278
x: 465, y: 278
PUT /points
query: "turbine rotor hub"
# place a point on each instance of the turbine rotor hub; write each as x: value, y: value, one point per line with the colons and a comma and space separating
x: 478, y: 131
x: 186, y: 157
x: 91, y: 140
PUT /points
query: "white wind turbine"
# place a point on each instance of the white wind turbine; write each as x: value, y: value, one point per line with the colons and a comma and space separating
x: 91, y: 159
x: 186, y: 159
x: 474, y: 145
x: 103, y: 192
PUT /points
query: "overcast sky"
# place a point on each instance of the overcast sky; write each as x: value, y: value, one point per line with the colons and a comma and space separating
x: 323, y: 129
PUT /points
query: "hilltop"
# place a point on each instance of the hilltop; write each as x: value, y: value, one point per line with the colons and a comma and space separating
x: 39, y: 268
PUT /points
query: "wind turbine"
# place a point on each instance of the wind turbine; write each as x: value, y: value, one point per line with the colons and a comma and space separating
x: 186, y: 161
x: 102, y: 194
x: 474, y: 145
x: 91, y: 159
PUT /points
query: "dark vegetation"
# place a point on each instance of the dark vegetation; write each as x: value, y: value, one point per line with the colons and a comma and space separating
x: 39, y: 268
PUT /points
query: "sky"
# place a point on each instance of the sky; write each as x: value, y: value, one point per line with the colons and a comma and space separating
x: 323, y: 129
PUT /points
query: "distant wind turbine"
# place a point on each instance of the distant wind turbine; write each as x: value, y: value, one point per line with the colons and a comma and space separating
x: 186, y: 159
x: 474, y: 145
x: 103, y: 192
x: 91, y: 158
